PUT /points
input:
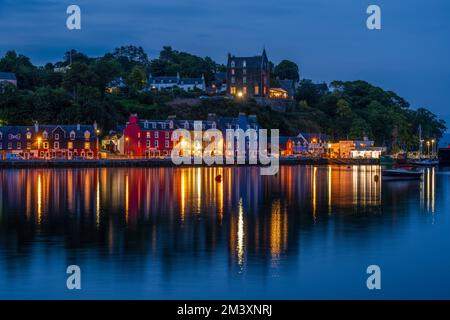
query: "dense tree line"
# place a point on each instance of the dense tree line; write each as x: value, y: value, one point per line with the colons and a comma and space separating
x: 73, y: 90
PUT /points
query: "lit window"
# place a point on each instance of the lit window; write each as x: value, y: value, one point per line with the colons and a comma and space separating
x: 148, y: 135
x: 87, y: 145
x: 19, y: 145
x: 233, y: 90
x: 245, y: 90
x: 56, y: 145
x: 44, y: 135
x: 70, y: 145
x: 28, y: 135
x: 87, y: 135
x: 256, y: 90
x: 232, y: 72
x: 28, y: 145
x: 45, y: 145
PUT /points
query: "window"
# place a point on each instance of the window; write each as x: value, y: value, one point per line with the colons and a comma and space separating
x: 233, y: 80
x: 163, y: 125
x: 28, y: 145
x: 244, y: 89
x: 87, y: 135
x: 19, y: 145
x: 10, y: 145
x: 156, y: 144
x: 87, y: 145
x: 156, y: 135
x: 72, y: 135
x: 56, y: 145
x: 256, y: 90
x: 167, y: 134
x: 148, y: 135
x: 148, y: 144
x: 146, y: 124
x: 167, y: 144
x: 244, y: 64
x: 186, y: 125
x: 44, y: 135
x: 244, y: 79
x: 232, y: 72
x: 56, y: 136
x: 244, y: 71
x: 233, y: 64
x: 28, y: 135
x: 154, y: 125
x: 233, y: 90
x: 45, y: 145
x: 70, y: 145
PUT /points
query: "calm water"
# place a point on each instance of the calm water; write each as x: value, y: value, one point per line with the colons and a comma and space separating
x: 309, y: 232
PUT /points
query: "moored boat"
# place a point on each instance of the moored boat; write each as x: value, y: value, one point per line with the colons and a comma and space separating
x: 400, y: 174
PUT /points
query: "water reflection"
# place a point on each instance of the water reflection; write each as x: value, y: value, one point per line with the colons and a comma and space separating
x: 182, y: 218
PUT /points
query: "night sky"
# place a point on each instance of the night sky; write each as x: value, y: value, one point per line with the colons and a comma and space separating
x: 327, y: 39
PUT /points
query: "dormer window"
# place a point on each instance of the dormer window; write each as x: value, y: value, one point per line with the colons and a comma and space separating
x: 45, y: 135
x: 233, y: 64
x: 72, y: 135
x: 28, y: 135
x: 87, y: 134
x: 213, y: 125
x: 146, y: 124
x: 186, y: 125
x: 244, y: 64
x: 171, y: 124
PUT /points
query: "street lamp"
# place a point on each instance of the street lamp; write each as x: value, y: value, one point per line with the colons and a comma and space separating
x: 432, y: 147
x: 127, y: 146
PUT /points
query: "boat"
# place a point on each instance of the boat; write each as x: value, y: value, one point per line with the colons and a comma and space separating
x: 400, y: 174
x: 425, y: 162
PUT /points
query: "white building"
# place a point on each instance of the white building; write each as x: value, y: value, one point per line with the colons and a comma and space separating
x: 186, y: 84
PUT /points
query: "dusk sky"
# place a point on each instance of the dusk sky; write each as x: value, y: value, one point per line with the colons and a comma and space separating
x: 327, y: 39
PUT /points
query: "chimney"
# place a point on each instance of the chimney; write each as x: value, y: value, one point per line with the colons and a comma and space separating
x: 133, y: 118
x: 36, y: 127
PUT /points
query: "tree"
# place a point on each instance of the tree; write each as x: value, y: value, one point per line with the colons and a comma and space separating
x: 287, y: 70
x: 137, y: 78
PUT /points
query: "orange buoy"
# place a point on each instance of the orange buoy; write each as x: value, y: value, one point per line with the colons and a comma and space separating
x: 219, y: 178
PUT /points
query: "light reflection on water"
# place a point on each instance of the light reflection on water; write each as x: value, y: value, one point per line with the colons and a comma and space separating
x: 173, y: 232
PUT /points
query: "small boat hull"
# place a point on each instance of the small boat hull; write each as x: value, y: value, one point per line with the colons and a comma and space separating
x: 400, y: 174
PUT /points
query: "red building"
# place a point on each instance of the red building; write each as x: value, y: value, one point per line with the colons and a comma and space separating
x: 153, y: 138
x: 148, y: 138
